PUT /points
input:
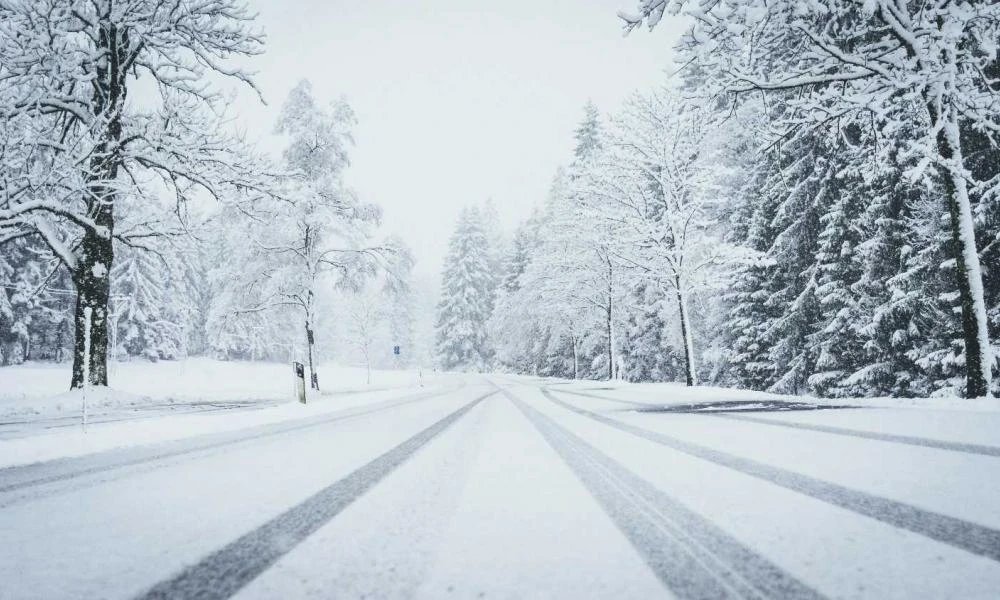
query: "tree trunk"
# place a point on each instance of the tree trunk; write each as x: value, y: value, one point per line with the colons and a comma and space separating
x: 689, y: 367
x: 310, y: 340
x: 970, y: 279
x: 91, y: 275
x: 93, y: 286
x: 611, y: 344
x: 576, y: 358
x: 610, y: 323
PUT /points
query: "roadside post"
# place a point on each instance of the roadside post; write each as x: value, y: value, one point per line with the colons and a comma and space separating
x: 88, y: 313
x: 300, y: 381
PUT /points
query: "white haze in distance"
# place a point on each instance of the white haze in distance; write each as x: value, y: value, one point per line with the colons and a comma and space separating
x: 457, y: 100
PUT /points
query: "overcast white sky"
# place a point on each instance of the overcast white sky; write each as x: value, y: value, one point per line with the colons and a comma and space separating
x: 457, y: 100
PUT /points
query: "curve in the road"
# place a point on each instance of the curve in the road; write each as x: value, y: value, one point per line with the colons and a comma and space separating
x: 965, y: 535
x: 227, y: 570
x: 691, y: 556
x: 16, y: 479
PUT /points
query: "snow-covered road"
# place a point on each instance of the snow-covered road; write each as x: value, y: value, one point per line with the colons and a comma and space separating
x: 514, y: 488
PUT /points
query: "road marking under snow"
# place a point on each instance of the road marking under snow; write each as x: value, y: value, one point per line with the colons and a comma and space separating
x: 227, y: 570
x: 965, y: 535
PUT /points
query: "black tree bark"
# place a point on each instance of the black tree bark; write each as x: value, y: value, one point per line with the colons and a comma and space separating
x: 91, y: 274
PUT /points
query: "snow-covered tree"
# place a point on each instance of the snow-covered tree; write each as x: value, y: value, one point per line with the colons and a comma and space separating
x: 399, y: 299
x: 35, y: 304
x: 366, y: 313
x: 659, y: 185
x: 558, y: 312
x: 647, y: 351
x: 72, y: 148
x: 462, y: 342
x: 896, y: 67
x: 317, y: 233
x: 147, y: 305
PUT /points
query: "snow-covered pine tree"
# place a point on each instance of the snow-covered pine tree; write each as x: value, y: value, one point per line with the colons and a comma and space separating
x: 837, y: 339
x: 774, y: 304
x: 647, y: 354
x: 518, y: 256
x: 513, y: 332
x: 877, y: 64
x: 138, y: 307
x: 587, y: 133
x: 597, y: 267
x: 496, y: 245
x: 897, y: 311
x: 35, y: 304
x: 463, y: 311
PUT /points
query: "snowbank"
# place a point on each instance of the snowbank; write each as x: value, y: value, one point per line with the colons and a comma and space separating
x: 156, y: 402
x: 40, y: 389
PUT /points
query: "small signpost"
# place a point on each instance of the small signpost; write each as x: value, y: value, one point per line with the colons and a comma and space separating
x: 88, y: 313
x: 300, y: 381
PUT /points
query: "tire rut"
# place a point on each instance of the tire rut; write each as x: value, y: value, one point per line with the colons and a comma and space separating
x: 693, y: 557
x: 16, y: 480
x: 958, y: 533
x: 226, y: 571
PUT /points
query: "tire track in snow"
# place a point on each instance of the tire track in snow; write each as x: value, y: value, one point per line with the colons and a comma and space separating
x: 965, y: 535
x: 14, y: 480
x: 910, y: 440
x: 384, y: 545
x: 609, y: 399
x: 693, y: 557
x: 224, y: 572
x: 872, y: 435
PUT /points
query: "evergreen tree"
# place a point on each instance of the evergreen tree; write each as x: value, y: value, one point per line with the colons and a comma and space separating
x: 646, y: 353
x: 466, y: 289
x: 838, y: 342
x: 588, y: 133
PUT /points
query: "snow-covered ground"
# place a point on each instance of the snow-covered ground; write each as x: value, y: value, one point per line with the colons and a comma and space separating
x: 41, y: 388
x: 511, y: 487
x: 168, y: 400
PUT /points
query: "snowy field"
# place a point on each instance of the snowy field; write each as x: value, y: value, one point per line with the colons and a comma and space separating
x: 40, y: 388
x: 503, y: 486
x: 158, y: 401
